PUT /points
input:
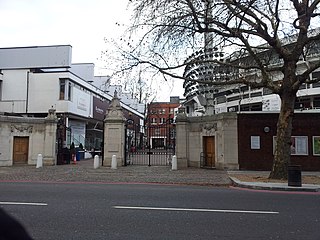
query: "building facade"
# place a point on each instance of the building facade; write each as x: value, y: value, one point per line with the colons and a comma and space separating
x: 35, y: 79
x: 206, y: 99
x: 245, y: 141
x: 234, y: 126
x: 160, y: 123
x: 22, y: 139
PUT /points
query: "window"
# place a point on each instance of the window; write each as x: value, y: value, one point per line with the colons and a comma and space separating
x: 315, y: 75
x: 302, y: 103
x: 65, y: 92
x: 69, y: 91
x: 153, y: 121
x: 0, y: 90
x: 172, y: 133
x: 1, y: 78
x: 62, y: 89
x: 256, y: 94
x: 316, y: 102
x: 157, y: 131
x: 162, y: 111
x: 316, y: 85
x: 163, y: 120
x: 316, y: 145
x: 299, y: 145
x: 234, y: 98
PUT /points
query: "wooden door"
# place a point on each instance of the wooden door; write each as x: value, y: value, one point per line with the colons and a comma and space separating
x: 20, y: 150
x: 209, y: 151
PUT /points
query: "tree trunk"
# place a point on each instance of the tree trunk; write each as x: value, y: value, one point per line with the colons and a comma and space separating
x: 283, y: 142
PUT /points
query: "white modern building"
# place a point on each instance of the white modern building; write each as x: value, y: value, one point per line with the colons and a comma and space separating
x: 35, y: 79
x: 206, y: 99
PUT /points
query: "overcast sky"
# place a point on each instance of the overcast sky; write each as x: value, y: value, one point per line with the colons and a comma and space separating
x: 83, y: 24
x: 80, y: 23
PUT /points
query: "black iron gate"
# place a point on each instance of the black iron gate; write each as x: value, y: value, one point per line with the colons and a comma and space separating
x: 63, y: 153
x: 155, y: 147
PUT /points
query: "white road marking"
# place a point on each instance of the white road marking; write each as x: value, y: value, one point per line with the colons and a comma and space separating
x: 196, y: 210
x: 23, y: 203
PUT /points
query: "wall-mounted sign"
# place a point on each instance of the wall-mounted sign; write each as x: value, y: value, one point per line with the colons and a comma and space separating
x: 255, y: 142
x: 99, y: 108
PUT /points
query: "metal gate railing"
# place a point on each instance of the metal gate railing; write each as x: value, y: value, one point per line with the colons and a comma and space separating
x: 206, y: 161
x: 150, y: 157
x: 157, y: 148
x: 63, y: 153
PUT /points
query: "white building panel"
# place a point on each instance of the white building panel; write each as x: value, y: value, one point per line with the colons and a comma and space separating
x: 14, y: 85
x: 84, y: 71
x: 14, y: 91
x: 13, y: 106
x: 81, y: 103
x: 35, y: 57
x: 43, y: 92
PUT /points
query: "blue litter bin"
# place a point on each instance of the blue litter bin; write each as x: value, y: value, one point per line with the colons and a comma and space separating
x: 81, y: 153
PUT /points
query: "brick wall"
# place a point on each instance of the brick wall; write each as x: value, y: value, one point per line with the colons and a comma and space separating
x: 304, y: 124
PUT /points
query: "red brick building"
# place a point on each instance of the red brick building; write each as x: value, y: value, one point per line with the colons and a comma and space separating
x: 160, y: 123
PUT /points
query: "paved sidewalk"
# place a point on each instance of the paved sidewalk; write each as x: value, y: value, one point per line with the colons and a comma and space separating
x: 271, y: 185
x: 275, y: 186
x: 83, y: 171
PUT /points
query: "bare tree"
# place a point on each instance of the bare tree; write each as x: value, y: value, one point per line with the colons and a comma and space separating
x: 140, y: 80
x: 271, y: 45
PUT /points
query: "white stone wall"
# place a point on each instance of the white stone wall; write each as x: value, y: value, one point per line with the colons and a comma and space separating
x: 223, y: 127
x: 195, y: 148
x: 227, y: 143
x: 5, y: 145
x: 41, y: 134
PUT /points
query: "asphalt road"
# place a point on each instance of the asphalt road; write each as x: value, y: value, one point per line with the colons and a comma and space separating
x: 141, y: 211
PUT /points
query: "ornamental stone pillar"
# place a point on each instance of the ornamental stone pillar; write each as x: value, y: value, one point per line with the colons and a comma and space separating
x: 114, y: 133
x: 50, y: 135
x: 182, y: 139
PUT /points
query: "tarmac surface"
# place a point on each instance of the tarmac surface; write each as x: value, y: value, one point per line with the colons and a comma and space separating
x: 83, y: 171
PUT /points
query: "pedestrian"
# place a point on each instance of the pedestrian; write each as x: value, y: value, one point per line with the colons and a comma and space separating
x: 73, y: 152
